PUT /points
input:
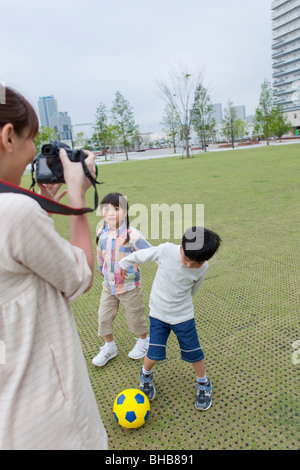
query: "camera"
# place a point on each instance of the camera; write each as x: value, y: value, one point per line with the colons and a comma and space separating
x: 48, y: 167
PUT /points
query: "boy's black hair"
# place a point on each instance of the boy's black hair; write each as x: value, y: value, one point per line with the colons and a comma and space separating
x: 200, y: 244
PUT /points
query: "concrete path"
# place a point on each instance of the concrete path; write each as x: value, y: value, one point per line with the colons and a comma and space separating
x: 168, y: 152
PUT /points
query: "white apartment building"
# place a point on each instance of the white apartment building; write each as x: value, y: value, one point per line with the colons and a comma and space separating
x: 286, y: 57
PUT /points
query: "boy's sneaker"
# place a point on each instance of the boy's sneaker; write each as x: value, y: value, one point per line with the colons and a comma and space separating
x: 147, y: 385
x: 140, y: 349
x: 105, y: 354
x: 203, y: 399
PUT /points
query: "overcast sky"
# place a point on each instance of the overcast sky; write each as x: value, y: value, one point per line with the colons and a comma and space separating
x: 82, y: 52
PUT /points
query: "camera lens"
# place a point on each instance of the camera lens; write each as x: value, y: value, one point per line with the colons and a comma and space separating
x: 47, y: 149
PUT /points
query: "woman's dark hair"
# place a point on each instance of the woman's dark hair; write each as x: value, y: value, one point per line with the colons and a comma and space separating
x: 200, y: 244
x: 116, y: 200
x: 17, y: 111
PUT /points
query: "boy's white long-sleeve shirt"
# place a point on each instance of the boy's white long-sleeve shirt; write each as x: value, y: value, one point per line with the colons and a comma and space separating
x: 171, y: 299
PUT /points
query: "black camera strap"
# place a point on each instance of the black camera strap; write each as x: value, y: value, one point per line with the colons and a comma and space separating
x: 89, y: 176
x: 48, y: 204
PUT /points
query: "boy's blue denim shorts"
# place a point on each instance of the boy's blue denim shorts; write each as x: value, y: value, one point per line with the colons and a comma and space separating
x: 187, y: 337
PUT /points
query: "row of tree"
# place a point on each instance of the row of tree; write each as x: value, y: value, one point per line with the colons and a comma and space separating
x: 188, y: 106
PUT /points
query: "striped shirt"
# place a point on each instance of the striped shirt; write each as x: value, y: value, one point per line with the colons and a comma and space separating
x: 46, y: 398
x: 111, y: 249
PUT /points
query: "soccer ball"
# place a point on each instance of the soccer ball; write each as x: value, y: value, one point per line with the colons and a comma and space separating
x: 131, y: 408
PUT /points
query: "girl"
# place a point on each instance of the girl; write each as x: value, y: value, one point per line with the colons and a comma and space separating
x: 117, y: 239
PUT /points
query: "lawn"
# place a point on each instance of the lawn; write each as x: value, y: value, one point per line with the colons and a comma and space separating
x: 247, y: 310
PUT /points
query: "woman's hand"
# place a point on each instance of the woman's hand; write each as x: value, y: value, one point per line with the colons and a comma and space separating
x: 50, y: 191
x: 76, y: 181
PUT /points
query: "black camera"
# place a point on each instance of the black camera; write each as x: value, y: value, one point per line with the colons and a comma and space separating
x: 48, y: 166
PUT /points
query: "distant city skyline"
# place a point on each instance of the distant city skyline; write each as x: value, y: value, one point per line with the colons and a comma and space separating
x: 87, y: 127
x: 49, y: 115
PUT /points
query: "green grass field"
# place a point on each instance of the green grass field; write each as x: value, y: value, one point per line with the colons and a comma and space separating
x: 247, y: 310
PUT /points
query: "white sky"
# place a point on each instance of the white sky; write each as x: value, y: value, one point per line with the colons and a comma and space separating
x: 82, y: 52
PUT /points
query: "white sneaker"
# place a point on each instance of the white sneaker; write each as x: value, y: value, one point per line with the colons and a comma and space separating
x: 140, y: 349
x: 105, y: 354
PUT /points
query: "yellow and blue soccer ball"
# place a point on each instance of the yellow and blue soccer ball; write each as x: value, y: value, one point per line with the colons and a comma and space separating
x: 131, y: 408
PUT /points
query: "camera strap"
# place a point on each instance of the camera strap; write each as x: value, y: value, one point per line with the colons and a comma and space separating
x: 92, y: 180
x: 48, y: 204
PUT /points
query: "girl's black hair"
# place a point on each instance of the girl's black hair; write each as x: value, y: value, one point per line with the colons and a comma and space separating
x: 116, y: 200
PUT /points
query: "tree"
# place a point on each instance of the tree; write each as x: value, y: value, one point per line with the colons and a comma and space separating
x: 179, y: 95
x: 280, y: 124
x: 233, y: 127
x: 137, y: 139
x: 123, y: 119
x: 264, y: 113
x: 202, y: 118
x: 44, y: 136
x: 105, y: 134
x: 171, y: 124
x: 80, y: 139
x: 240, y: 128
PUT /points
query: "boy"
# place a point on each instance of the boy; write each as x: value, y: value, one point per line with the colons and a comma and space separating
x: 181, y: 271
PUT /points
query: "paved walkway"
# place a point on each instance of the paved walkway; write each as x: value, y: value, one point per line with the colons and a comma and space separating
x: 168, y: 152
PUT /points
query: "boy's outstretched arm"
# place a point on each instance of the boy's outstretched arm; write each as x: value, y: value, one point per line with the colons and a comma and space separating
x: 141, y: 256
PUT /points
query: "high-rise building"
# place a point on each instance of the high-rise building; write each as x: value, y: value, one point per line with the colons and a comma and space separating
x: 51, y: 117
x: 47, y: 109
x: 240, y: 112
x: 217, y: 113
x: 286, y: 56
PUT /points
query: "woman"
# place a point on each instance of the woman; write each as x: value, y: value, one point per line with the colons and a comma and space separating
x: 46, y: 399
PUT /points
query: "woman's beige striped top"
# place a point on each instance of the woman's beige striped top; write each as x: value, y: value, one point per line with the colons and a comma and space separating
x: 46, y: 399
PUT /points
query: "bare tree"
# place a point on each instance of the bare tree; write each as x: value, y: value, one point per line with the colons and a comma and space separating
x: 171, y: 125
x: 179, y: 94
